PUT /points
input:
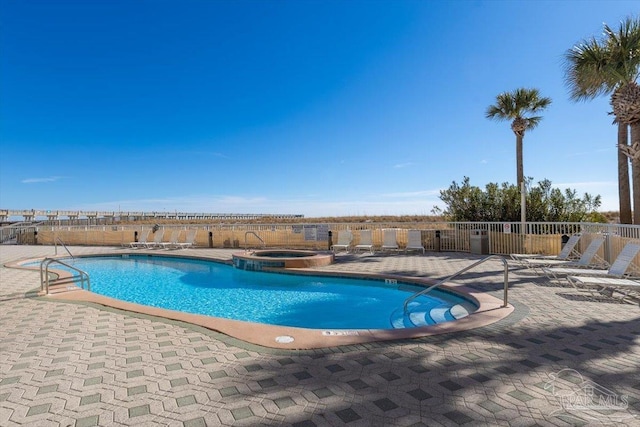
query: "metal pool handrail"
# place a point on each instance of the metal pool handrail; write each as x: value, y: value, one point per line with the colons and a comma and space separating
x: 255, y: 234
x: 55, y: 245
x: 44, y: 274
x: 453, y: 276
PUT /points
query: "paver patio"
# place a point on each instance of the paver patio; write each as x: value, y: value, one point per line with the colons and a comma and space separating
x: 77, y: 364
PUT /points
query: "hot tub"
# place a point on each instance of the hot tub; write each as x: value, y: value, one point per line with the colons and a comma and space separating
x: 280, y: 258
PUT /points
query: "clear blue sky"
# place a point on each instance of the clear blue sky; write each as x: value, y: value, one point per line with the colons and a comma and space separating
x: 303, y: 107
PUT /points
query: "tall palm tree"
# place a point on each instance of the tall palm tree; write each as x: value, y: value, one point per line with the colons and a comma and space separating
x: 611, y: 66
x: 514, y: 106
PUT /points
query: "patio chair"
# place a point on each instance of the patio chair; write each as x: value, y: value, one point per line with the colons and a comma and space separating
x: 157, y: 240
x: 142, y: 241
x: 618, y: 270
x: 588, y: 258
x: 173, y: 240
x: 345, y: 237
x: 414, y: 241
x: 389, y: 240
x: 366, y: 241
x: 189, y: 241
x: 568, y: 251
x: 607, y: 286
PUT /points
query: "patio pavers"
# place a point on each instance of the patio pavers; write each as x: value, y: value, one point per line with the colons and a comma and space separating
x: 64, y: 364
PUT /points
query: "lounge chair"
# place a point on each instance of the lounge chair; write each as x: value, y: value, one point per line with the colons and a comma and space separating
x: 190, y: 240
x: 389, y: 241
x: 619, y: 269
x: 173, y: 240
x: 142, y: 241
x: 568, y: 251
x: 366, y: 241
x: 157, y: 240
x: 588, y: 257
x: 414, y: 241
x: 607, y: 286
x: 345, y: 237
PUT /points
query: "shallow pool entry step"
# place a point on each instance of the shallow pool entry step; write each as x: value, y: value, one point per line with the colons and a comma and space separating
x: 420, y: 314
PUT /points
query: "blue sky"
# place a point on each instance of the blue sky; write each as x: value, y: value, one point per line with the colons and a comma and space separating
x: 321, y: 108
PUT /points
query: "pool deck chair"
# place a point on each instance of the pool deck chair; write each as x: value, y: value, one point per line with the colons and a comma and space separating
x: 142, y: 241
x: 621, y: 267
x: 414, y: 241
x: 389, y: 240
x: 345, y: 237
x: 567, y: 253
x: 190, y: 240
x: 157, y: 240
x: 366, y: 242
x: 608, y: 286
x: 173, y: 240
x: 588, y: 258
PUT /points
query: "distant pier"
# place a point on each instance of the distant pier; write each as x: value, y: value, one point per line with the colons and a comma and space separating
x: 31, y: 215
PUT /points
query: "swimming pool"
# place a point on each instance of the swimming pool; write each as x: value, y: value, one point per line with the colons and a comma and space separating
x: 305, y: 301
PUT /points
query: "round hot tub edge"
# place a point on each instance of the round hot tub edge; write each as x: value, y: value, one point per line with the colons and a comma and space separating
x: 280, y: 258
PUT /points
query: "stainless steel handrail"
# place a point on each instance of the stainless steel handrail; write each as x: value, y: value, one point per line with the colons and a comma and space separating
x: 453, y: 276
x: 255, y: 234
x: 55, y: 245
x: 44, y: 274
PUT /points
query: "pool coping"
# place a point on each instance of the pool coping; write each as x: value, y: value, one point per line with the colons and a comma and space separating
x: 490, y: 310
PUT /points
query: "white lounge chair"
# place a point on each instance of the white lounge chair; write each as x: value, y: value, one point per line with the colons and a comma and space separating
x: 568, y: 251
x: 142, y: 240
x: 366, y: 241
x: 607, y: 286
x: 619, y: 269
x: 190, y: 240
x: 414, y: 241
x: 588, y: 257
x: 157, y: 240
x: 389, y: 240
x: 345, y: 237
x: 173, y: 240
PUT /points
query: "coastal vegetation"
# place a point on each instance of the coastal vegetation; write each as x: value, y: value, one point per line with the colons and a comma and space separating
x: 465, y: 202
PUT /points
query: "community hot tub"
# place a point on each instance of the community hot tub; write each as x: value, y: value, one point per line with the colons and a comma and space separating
x: 280, y: 258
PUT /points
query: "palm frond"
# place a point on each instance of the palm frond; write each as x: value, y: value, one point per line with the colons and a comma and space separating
x: 598, y: 67
x: 517, y: 105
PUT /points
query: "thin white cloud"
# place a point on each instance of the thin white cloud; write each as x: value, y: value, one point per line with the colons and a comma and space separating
x: 208, y: 153
x: 410, y: 194
x: 38, y: 180
x: 403, y: 165
x: 586, y: 184
x: 589, y: 153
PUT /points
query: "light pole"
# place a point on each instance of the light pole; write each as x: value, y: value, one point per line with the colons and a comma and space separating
x: 523, y: 204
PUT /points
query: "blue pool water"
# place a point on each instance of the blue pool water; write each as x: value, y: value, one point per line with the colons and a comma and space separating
x: 220, y: 290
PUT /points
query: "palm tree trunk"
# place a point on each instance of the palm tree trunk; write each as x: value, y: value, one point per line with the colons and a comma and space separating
x: 519, y: 166
x: 624, y: 191
x: 635, y: 172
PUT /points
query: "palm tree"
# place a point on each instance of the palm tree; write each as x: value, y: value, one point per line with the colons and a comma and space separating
x: 612, y: 66
x: 514, y: 106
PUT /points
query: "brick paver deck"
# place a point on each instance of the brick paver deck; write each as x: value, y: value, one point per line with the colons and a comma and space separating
x: 73, y: 364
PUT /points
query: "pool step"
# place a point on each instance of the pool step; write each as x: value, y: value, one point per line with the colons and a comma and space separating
x: 424, y: 315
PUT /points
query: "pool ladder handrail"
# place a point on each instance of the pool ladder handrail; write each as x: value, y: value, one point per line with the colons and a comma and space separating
x: 255, y: 234
x: 57, y: 241
x: 45, y: 281
x: 454, y: 275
